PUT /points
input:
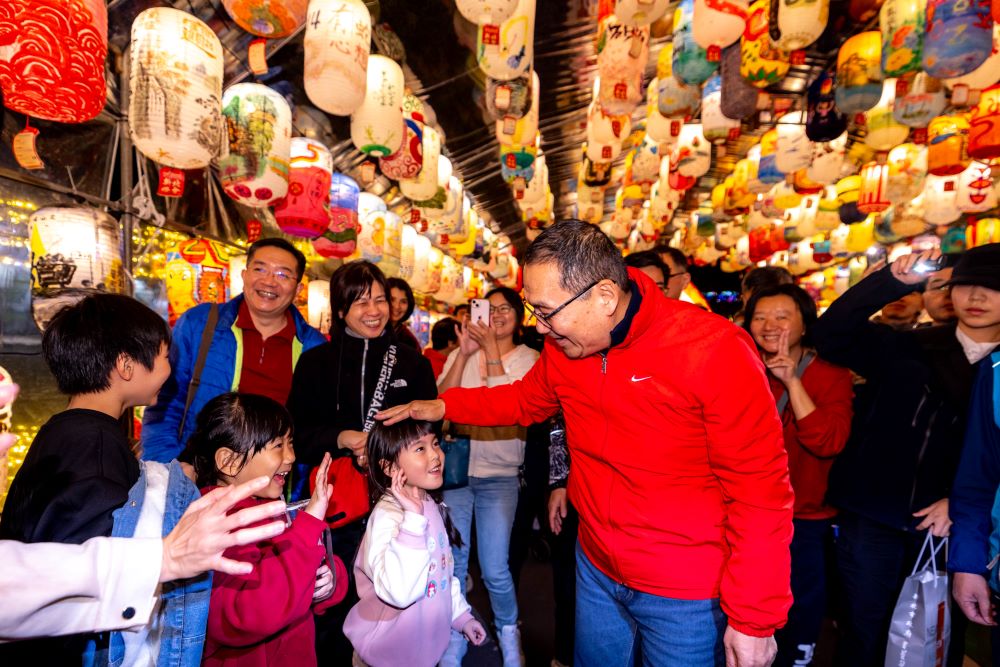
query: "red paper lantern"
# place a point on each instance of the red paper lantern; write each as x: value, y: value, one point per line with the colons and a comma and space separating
x: 52, y: 58
x: 874, y: 183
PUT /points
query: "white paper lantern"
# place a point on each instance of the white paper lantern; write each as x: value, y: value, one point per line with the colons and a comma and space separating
x: 237, y: 265
x: 693, y: 155
x: 940, y: 199
x: 337, y: 46
x: 420, y: 280
x: 75, y: 251
x: 827, y: 161
x: 377, y: 125
x: 801, y: 23
x: 924, y: 99
x: 975, y: 189
x: 175, y: 89
x: 425, y: 185
x: 883, y: 130
x: 621, y: 59
x: 792, y: 150
x: 450, y: 279
x: 718, y: 24
x: 522, y: 130
x: 483, y: 12
x: 253, y: 168
x: 506, y: 51
x: 320, y: 315
x: 537, y: 187
x: 907, y: 170
x: 392, y: 243
x: 715, y: 125
x: 640, y: 12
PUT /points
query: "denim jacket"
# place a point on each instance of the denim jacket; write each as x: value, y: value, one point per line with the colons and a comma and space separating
x: 183, y: 611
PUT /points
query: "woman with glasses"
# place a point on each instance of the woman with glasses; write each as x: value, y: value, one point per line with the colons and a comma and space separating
x: 489, y: 356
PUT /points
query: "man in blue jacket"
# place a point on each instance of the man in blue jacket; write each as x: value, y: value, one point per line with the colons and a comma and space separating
x: 255, y: 345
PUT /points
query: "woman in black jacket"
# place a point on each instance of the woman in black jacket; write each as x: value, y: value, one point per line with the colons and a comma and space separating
x: 336, y: 390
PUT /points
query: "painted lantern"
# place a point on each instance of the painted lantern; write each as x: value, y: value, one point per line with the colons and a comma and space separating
x: 622, y: 52
x: 859, y: 73
x: 901, y: 23
x: 337, y: 45
x: 253, y: 169
x: 341, y: 237
x: 947, y: 138
x: 883, y: 130
x: 268, y: 18
x: 407, y: 161
x: 306, y: 210
x: 377, y: 126
x: 506, y: 51
x: 690, y: 62
x: 762, y: 64
x: 959, y: 37
x: 984, y: 127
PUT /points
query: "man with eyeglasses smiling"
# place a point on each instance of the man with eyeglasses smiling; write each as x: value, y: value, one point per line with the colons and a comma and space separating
x: 253, y: 347
x: 679, y: 470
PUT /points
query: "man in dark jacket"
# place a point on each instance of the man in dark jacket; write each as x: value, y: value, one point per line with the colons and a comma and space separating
x: 893, y: 479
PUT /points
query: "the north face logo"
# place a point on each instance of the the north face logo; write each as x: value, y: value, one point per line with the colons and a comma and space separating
x: 399, y: 383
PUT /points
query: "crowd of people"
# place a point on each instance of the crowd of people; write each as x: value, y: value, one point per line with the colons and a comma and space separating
x: 716, y: 489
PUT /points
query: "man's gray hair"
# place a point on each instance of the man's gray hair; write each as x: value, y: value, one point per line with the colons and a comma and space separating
x: 582, y: 253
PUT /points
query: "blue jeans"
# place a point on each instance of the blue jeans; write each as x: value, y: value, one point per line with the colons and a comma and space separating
x: 611, y: 617
x: 493, y: 501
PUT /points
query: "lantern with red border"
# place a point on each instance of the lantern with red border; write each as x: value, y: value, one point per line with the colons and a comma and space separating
x: 306, y: 210
x: 872, y: 197
x: 984, y: 127
x: 337, y: 44
x: 52, y: 58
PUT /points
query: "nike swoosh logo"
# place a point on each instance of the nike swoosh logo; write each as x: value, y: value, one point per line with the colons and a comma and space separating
x: 635, y: 379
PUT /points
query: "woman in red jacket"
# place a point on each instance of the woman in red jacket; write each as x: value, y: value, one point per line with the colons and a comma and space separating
x: 814, y: 402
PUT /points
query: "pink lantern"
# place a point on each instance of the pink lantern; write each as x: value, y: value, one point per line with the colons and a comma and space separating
x: 306, y: 209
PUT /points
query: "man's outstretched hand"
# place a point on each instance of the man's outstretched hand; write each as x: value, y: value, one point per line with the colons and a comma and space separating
x: 431, y: 411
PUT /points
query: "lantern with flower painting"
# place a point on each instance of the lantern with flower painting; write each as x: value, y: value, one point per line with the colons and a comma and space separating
x: 883, y: 130
x: 959, y: 37
x: 377, y: 126
x: 505, y: 51
x: 425, y: 184
x: 337, y: 45
x: 919, y: 100
x: 984, y: 126
x: 690, y: 62
x: 52, y: 59
x: 715, y: 24
x: 907, y: 165
x: 254, y: 167
x: 983, y: 76
x: 483, y: 12
x: 762, y: 63
x: 622, y: 52
x: 716, y: 127
x: 306, y: 210
x: 873, y: 196
x: 801, y: 22
x: 407, y: 161
x: 975, y: 189
x: 341, y: 236
x: 859, y: 73
x: 940, y: 197
x: 268, y: 18
x: 947, y: 138
x: 175, y: 89
x: 901, y: 23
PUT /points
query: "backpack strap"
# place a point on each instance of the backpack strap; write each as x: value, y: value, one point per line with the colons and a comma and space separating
x: 199, y: 364
x: 800, y: 370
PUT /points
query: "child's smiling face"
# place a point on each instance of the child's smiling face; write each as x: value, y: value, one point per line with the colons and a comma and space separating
x: 274, y: 462
x: 422, y: 461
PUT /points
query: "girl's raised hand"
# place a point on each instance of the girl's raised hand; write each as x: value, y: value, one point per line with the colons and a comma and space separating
x: 324, y: 583
x: 409, y: 497
x: 321, y: 494
x: 474, y: 632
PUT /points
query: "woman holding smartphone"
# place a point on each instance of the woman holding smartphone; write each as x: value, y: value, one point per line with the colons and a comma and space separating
x: 490, y: 354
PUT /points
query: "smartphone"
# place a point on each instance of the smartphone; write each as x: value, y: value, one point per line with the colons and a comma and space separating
x: 479, y: 311
x: 929, y: 265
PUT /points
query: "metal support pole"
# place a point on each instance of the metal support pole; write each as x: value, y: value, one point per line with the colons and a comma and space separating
x: 126, y: 161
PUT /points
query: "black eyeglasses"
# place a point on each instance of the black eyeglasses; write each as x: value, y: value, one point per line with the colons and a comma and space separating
x: 547, y: 319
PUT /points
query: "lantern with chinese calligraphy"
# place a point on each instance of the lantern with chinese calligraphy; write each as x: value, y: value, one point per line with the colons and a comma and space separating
x: 175, y: 89
x: 267, y: 18
x: 522, y: 130
x: 196, y: 272
x: 984, y: 127
x: 975, y: 189
x: 640, y: 12
x: 337, y: 46
x: 901, y: 23
x: 690, y: 62
x: 823, y: 121
x: 75, y: 251
x: 715, y: 126
x: 693, y: 156
x: 883, y: 130
x: 946, y: 145
x: 827, y: 160
x: 306, y: 210
x: 873, y: 197
x: 959, y: 37
x: 52, y: 59
x: 986, y: 74
x: 739, y: 97
x: 907, y: 165
x: 940, y: 199
x: 801, y: 22
x: 622, y: 52
x: 859, y: 73
x: 792, y: 150
x: 484, y: 12
x: 715, y: 24
x: 762, y: 63
x: 425, y: 184
x: 921, y: 99
x: 254, y: 167
x: 341, y: 237
x: 505, y: 51
x: 377, y: 125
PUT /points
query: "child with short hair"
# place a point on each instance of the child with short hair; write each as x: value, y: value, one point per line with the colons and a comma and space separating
x: 410, y: 599
x: 108, y: 352
x: 265, y: 617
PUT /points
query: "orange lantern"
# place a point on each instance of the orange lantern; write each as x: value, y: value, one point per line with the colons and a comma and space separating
x: 946, y: 145
x: 984, y: 128
x: 874, y: 185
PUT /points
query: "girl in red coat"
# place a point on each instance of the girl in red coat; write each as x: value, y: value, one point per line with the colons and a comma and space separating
x: 814, y: 402
x: 264, y: 618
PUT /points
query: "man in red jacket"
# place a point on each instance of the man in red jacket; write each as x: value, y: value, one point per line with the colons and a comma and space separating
x: 679, y: 470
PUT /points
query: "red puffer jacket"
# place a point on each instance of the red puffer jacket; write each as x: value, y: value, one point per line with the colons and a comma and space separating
x: 679, y: 469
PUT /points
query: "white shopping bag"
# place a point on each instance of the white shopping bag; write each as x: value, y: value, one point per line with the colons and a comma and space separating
x: 921, y: 621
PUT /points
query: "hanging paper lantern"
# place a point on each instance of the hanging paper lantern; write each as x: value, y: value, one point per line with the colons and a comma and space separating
x: 947, y: 138
x: 420, y: 280
x: 622, y: 52
x: 883, y: 130
x: 717, y: 24
x: 52, y: 59
x: 589, y: 203
x: 805, y: 185
x: 848, y: 191
x: 196, y: 272
x: 254, y: 166
x: 690, y: 62
x: 425, y: 184
x: 828, y: 211
x: 785, y: 196
x: 483, y: 12
x: 801, y: 23
x: 823, y: 122
x: 693, y: 156
x: 859, y: 73
x: 392, y: 246
x: 320, y: 315
x: 873, y: 198
x: 754, y: 184
x: 675, y: 100
x: 923, y: 99
x: 306, y: 210
x: 762, y: 63
x: 901, y: 23
x: 640, y: 12
x: 981, y: 232
x: 975, y: 189
x: 793, y: 150
x: 827, y: 161
x: 959, y: 37
x: 940, y: 200
x: 407, y: 161
x: 268, y: 18
x: 175, y: 89
x: 237, y: 265
x: 741, y: 197
x: 715, y: 126
x: 517, y: 164
x: 657, y: 125
x: 371, y: 238
x: 451, y: 277
x: 337, y: 45
x: 907, y: 165
x: 506, y: 51
x: 605, y: 134
x: 340, y: 238
x: 508, y: 98
x: 595, y: 174
x: 739, y: 98
x: 435, y: 265
x: 75, y: 251
x: 986, y: 74
x: 511, y: 131
x: 377, y: 125
x: 767, y: 169
x: 984, y: 127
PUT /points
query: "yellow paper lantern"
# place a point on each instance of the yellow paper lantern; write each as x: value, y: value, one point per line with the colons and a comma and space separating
x: 859, y: 73
x: 947, y: 141
x: 762, y: 64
